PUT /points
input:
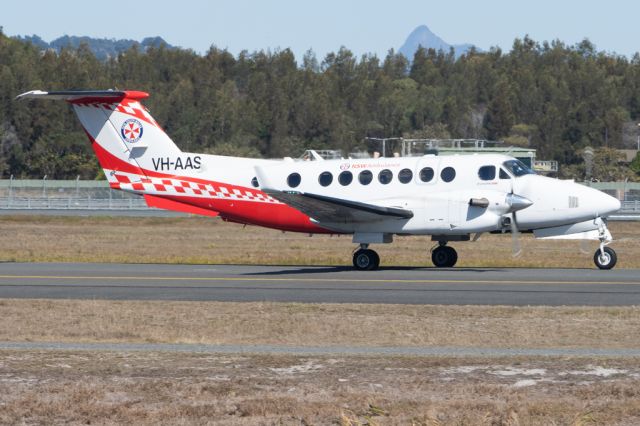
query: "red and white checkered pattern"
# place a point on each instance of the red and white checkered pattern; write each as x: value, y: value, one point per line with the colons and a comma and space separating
x: 126, y: 106
x: 172, y: 186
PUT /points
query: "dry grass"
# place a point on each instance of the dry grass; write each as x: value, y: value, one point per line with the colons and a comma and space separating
x: 164, y: 388
x: 318, y: 324
x: 207, y: 240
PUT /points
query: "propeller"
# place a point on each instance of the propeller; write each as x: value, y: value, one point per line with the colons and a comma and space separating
x: 515, y: 203
x: 516, y: 249
x: 585, y: 245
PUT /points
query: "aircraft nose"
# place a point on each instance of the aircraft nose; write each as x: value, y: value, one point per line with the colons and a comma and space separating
x: 597, y: 202
x: 609, y: 204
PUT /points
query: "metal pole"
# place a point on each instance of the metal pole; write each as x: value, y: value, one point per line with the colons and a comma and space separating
x: 44, y: 186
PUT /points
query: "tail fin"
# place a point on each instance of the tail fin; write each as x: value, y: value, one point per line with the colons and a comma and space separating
x: 124, y: 136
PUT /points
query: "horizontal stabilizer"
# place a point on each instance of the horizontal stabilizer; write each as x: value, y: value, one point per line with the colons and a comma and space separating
x: 74, y: 95
x: 329, y: 210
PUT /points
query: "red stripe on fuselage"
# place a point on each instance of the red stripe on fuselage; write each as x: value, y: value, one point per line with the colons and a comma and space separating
x: 270, y: 215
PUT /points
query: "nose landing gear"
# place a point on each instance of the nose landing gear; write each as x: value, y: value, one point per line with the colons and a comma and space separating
x: 604, y: 257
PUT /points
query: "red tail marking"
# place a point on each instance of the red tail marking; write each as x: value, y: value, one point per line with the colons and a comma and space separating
x: 164, y: 203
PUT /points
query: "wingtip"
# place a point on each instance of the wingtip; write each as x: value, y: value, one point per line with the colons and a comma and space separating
x: 31, y: 94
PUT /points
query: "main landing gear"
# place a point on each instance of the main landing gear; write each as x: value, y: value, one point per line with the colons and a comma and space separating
x: 365, y: 259
x: 444, y: 256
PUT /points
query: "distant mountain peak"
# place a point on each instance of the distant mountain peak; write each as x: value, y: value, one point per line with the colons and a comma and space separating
x: 102, y: 48
x: 423, y: 36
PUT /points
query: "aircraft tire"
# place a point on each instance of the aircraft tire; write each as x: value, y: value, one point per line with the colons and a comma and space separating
x: 444, y: 257
x: 366, y: 260
x: 606, y: 260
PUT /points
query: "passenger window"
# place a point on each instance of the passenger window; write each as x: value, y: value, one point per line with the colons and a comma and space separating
x: 487, y: 173
x: 385, y: 176
x: 254, y: 182
x: 504, y: 175
x: 426, y: 174
x: 325, y: 178
x: 294, y: 180
x: 365, y: 177
x: 448, y: 174
x: 345, y: 178
x: 405, y: 175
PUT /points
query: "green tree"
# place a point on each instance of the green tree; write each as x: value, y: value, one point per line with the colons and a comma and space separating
x: 500, y: 117
x: 635, y: 164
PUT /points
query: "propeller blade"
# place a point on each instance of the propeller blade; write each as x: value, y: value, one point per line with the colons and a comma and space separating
x: 516, y: 249
x: 584, y: 246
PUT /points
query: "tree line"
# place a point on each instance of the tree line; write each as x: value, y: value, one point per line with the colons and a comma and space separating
x: 553, y: 97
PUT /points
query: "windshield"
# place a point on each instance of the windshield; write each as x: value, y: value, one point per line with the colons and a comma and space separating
x: 517, y: 168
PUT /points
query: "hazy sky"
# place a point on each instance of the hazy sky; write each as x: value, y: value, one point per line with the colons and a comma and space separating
x: 371, y: 26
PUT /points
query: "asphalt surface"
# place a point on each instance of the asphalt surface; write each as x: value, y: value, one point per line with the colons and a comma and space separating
x: 242, y: 283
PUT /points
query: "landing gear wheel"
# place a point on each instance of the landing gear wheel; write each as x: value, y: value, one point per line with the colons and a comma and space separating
x: 606, y: 259
x: 444, y: 257
x: 366, y: 260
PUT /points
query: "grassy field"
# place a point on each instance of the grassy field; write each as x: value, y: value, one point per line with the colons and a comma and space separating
x: 299, y: 324
x: 178, y: 389
x: 210, y: 240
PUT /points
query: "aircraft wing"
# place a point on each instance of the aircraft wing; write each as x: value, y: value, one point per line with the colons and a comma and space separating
x: 329, y: 210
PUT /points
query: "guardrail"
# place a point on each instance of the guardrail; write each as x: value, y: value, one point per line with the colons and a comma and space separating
x: 72, y: 203
x: 630, y: 207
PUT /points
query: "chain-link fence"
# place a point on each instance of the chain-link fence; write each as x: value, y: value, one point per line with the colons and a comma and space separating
x: 26, y: 194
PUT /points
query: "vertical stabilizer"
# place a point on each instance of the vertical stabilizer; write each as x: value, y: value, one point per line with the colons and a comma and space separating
x: 125, y: 137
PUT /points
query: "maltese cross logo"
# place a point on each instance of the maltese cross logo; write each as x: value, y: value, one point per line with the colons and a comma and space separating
x: 131, y: 130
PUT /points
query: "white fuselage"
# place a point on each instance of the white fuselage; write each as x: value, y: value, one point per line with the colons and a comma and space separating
x: 439, y: 200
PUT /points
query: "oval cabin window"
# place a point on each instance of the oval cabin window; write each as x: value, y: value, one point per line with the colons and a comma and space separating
x: 385, y: 176
x: 325, y: 178
x: 294, y: 180
x: 426, y: 174
x: 448, y: 174
x: 405, y: 175
x: 345, y: 178
x: 365, y: 177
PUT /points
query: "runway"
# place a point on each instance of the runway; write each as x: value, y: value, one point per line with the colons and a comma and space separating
x: 242, y: 283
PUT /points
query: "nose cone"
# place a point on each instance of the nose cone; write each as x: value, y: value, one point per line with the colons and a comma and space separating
x: 598, y: 203
x: 517, y: 202
x: 608, y: 204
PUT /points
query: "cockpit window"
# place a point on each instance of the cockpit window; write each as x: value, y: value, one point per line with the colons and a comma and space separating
x: 517, y: 168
